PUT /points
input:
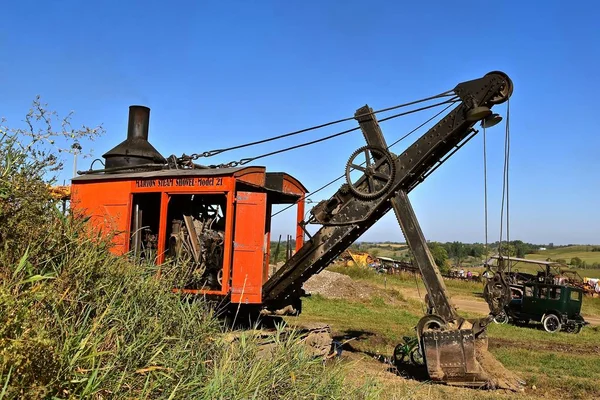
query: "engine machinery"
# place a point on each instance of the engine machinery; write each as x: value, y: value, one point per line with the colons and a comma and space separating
x: 212, y: 224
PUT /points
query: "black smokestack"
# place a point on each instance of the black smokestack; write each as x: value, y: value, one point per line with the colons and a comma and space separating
x: 135, y: 150
x: 139, y: 119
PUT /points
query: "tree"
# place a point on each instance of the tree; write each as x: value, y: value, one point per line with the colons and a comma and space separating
x: 440, y: 255
x: 576, y: 262
x: 457, y: 251
x: 507, y: 249
x: 477, y: 250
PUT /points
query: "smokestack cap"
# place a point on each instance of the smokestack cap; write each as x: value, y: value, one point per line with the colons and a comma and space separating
x: 135, y: 150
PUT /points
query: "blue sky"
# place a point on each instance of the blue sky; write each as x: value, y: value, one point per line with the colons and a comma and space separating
x: 219, y: 73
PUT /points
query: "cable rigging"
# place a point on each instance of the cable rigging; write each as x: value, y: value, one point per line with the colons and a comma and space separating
x: 390, y: 146
x: 505, y: 185
x: 244, y: 161
x: 211, y: 153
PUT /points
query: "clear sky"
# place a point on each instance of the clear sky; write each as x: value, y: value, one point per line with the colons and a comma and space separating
x: 219, y: 73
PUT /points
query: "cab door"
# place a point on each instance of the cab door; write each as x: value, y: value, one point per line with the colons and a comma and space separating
x: 248, y: 247
x: 530, y: 302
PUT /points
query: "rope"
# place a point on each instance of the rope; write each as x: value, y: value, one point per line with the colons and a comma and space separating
x: 343, y: 175
x: 244, y: 161
x: 219, y: 151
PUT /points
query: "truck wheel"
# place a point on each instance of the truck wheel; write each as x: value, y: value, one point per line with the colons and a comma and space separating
x: 551, y: 323
x: 501, y: 318
x: 575, y: 328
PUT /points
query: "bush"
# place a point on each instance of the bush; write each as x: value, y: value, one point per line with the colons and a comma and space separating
x: 77, y: 322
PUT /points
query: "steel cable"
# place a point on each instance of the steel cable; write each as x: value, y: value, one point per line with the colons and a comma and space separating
x: 505, y: 185
x: 244, y: 161
x: 219, y: 151
x: 343, y: 175
x: 485, y: 191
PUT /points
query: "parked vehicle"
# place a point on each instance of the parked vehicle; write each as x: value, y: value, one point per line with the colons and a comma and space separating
x: 557, y: 307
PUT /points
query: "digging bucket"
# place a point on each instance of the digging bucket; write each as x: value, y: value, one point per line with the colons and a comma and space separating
x: 460, y: 357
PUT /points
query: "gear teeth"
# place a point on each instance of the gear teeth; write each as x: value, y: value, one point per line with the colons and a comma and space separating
x: 392, y: 173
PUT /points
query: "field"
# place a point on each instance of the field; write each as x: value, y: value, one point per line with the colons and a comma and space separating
x: 584, y: 252
x: 393, y: 250
x: 553, y: 365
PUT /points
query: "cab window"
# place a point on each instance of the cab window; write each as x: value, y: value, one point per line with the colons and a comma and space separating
x: 543, y: 292
x: 528, y: 291
x: 575, y: 296
x: 555, y: 293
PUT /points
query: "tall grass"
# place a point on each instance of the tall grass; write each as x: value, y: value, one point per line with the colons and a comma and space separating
x: 77, y: 322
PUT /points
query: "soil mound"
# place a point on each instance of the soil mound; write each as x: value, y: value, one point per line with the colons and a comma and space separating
x: 333, y: 285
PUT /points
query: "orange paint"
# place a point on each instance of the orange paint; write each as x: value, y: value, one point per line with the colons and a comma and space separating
x: 247, y: 194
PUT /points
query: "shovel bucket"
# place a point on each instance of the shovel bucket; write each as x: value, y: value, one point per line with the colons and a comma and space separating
x: 458, y: 357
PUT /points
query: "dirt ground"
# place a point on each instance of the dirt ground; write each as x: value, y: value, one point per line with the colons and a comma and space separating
x: 337, y: 286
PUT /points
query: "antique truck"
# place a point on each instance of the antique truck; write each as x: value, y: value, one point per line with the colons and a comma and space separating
x: 542, y: 298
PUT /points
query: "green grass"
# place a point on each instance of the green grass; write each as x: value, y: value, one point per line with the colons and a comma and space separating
x: 100, y: 327
x: 583, y: 252
x: 560, y: 364
x: 363, y: 320
x: 405, y: 280
x: 591, y: 306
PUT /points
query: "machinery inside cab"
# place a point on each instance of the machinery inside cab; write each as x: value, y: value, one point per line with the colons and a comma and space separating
x: 208, y: 228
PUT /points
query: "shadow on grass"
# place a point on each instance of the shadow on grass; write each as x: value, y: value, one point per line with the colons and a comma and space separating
x: 353, y: 341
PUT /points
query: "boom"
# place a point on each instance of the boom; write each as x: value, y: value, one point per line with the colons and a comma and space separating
x: 356, y: 206
x: 454, y: 349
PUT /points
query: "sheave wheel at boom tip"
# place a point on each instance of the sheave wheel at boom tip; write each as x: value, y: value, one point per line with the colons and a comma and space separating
x: 375, y: 169
x: 506, y: 90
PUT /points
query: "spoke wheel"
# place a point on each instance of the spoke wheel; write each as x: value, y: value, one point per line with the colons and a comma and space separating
x: 220, y: 277
x: 370, y: 172
x: 551, y: 323
x: 573, y: 328
x: 399, y: 354
x: 501, y: 318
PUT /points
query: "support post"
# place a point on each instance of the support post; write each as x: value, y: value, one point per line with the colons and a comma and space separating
x: 432, y: 277
x: 370, y: 127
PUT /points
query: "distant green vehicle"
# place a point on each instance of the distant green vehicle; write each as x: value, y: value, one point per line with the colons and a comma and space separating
x: 545, y: 297
x: 557, y: 307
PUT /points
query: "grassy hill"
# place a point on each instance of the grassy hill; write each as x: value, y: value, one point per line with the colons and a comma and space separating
x: 584, y: 252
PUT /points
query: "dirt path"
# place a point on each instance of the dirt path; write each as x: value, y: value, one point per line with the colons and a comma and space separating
x: 474, y: 305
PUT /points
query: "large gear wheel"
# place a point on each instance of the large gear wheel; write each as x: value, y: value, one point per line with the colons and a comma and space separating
x: 378, y: 172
